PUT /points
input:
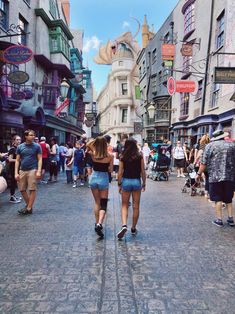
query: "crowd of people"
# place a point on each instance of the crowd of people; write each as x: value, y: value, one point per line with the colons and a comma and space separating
x: 93, y: 161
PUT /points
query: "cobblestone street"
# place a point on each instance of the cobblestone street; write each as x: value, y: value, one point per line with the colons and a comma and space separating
x: 52, y: 261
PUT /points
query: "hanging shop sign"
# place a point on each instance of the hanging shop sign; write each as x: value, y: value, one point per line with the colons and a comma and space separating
x: 64, y: 104
x: 168, y: 51
x: 168, y: 63
x: 90, y: 116
x: 28, y: 93
x: 17, y: 54
x: 224, y: 75
x: 187, y: 50
x: 88, y: 123
x: 63, y: 115
x: 18, y: 77
x: 138, y: 127
x: 181, y: 86
x: 18, y: 95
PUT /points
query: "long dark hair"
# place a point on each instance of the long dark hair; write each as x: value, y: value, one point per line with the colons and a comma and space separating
x: 131, y: 151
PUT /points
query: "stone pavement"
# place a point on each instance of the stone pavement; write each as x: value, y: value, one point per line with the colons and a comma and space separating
x: 52, y: 261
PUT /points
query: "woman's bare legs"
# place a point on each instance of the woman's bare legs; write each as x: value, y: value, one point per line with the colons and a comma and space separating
x: 125, y: 205
x: 136, y: 207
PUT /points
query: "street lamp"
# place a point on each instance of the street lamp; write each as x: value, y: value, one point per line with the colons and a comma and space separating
x: 64, y: 88
x: 151, y: 110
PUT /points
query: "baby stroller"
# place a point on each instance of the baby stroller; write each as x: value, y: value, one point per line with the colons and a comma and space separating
x: 190, y: 185
x: 159, y: 166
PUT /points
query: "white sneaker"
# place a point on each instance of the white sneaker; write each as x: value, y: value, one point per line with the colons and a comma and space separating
x: 182, y: 176
x: 81, y: 184
x: 178, y: 176
x: 14, y: 200
x: 74, y: 185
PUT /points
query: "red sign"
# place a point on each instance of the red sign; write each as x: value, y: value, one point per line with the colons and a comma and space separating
x: 171, y: 85
x: 168, y: 51
x: 64, y: 104
x: 185, y: 86
x: 17, y: 54
x: 182, y: 86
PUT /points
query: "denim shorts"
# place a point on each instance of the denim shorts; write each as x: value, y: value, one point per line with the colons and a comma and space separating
x: 99, y: 180
x: 129, y: 185
x: 78, y: 170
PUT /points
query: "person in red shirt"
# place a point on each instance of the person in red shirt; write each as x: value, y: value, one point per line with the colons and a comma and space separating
x: 45, y: 156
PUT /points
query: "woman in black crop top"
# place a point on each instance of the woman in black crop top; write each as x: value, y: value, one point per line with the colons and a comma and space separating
x: 99, y: 181
x: 131, y: 172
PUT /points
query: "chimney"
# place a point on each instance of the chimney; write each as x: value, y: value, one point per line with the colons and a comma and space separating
x: 66, y: 9
x: 145, y: 33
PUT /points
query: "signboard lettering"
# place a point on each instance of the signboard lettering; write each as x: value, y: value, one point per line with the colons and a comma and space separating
x: 18, y: 77
x: 17, y: 54
x: 64, y: 104
x: 224, y: 75
x: 90, y: 115
x: 168, y: 51
x: 181, y: 86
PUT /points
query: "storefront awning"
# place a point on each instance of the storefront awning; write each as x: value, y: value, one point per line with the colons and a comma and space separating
x: 47, y: 64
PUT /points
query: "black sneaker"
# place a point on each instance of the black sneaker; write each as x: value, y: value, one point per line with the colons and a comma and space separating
x: 122, y: 232
x: 98, y: 230
x: 133, y: 231
x: 230, y: 222
x: 14, y: 200
x: 25, y: 211
x: 218, y: 222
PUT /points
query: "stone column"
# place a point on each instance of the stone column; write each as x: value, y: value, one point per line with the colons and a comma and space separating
x: 118, y: 115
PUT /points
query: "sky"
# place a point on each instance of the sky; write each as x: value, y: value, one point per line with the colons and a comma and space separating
x: 102, y: 20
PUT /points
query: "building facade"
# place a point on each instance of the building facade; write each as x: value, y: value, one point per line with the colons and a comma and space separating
x: 43, y: 28
x: 117, y: 101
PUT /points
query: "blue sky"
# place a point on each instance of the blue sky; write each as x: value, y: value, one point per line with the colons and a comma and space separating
x: 102, y: 20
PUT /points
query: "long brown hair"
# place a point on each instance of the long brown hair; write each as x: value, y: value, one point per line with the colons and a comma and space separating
x: 100, y: 146
x: 131, y: 150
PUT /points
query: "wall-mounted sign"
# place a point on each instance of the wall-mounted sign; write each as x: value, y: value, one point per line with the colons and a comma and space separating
x: 181, y: 86
x: 187, y: 50
x: 28, y: 93
x: 224, y: 75
x: 168, y: 63
x: 19, y: 95
x: 90, y: 116
x: 18, y: 77
x: 17, y: 54
x: 88, y: 123
x: 168, y: 51
x: 171, y: 85
x: 64, y: 104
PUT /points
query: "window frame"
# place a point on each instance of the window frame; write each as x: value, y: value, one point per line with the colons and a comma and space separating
x: 220, y: 34
x: 124, y: 91
x: 23, y: 25
x: 189, y: 18
x: 124, y: 115
x: 4, y: 11
x: 184, y: 104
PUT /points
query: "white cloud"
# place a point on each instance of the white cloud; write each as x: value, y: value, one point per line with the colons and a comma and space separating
x: 91, y: 43
x: 125, y: 24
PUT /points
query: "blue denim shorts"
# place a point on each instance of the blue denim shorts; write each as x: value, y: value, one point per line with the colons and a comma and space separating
x: 99, y: 180
x: 78, y: 170
x: 129, y: 185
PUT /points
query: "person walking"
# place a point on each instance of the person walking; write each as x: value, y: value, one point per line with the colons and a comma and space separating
x: 54, y: 160
x: 99, y: 181
x: 146, y: 153
x: 45, y: 157
x: 180, y: 156
x: 131, y: 173
x: 28, y: 167
x: 219, y: 160
x: 69, y: 162
x: 11, y: 169
x: 78, y: 164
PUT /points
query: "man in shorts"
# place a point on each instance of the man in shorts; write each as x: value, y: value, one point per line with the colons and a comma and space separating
x: 219, y: 160
x: 28, y: 167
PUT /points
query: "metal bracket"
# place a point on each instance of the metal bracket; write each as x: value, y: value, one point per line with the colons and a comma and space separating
x: 14, y: 30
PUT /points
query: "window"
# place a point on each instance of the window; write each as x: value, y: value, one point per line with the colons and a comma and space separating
x: 199, y: 91
x: 220, y: 31
x: 140, y: 71
x: 154, y: 84
x: 154, y: 55
x: 53, y: 9
x: 4, y: 14
x: 59, y: 41
x: 184, y: 105
x: 144, y: 67
x: 120, y: 63
x: 189, y: 19
x: 214, y: 96
x: 124, y: 89
x: 23, y: 24
x: 124, y: 115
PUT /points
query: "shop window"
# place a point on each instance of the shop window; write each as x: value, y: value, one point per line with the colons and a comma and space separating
x: 23, y: 25
x: 189, y: 19
x: 184, y: 105
x: 4, y: 11
x: 53, y: 9
x: 124, y: 89
x: 220, y: 31
x: 124, y: 115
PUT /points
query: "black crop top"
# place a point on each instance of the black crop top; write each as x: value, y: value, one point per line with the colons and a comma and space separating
x: 132, y: 169
x: 101, y: 166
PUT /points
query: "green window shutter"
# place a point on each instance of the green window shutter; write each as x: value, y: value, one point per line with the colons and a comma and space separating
x: 137, y: 92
